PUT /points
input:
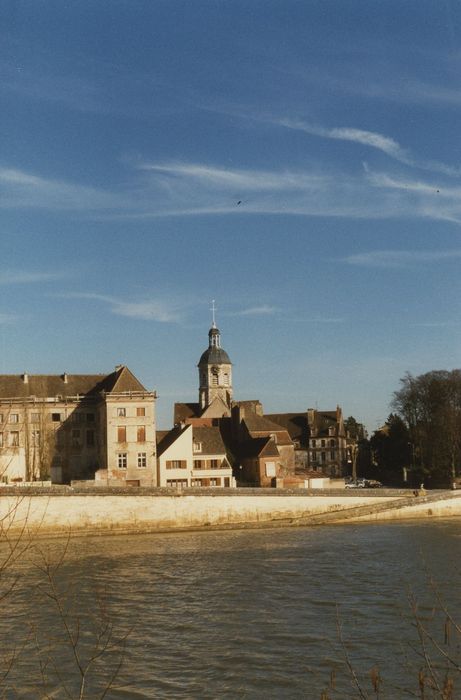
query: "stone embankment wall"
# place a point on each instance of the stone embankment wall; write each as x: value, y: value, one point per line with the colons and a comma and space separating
x: 60, y: 510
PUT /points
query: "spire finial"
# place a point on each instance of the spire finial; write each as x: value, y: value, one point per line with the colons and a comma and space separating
x: 213, y: 310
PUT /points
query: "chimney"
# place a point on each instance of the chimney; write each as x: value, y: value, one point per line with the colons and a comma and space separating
x: 25, y: 378
x: 118, y: 368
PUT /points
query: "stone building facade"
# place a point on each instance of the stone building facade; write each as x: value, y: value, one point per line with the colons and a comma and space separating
x: 71, y: 426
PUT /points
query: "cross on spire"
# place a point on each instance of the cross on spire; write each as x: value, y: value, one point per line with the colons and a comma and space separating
x: 213, y: 310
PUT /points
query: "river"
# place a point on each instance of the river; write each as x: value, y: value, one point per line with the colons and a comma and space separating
x: 287, y: 613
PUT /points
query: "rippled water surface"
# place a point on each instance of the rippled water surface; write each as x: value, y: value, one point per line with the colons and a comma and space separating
x: 244, y: 614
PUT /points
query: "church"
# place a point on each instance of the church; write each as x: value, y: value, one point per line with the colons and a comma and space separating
x: 264, y: 450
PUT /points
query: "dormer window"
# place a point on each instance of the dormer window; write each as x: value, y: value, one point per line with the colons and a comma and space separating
x: 197, y: 446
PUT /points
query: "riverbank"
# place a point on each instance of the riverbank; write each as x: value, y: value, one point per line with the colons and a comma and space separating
x: 59, y: 510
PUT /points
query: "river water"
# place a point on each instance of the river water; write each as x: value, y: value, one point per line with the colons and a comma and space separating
x: 287, y: 613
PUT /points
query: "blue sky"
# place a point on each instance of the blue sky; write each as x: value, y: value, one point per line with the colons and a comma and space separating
x: 299, y: 162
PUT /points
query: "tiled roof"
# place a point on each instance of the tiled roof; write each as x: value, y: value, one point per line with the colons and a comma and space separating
x: 52, y: 385
x: 294, y: 423
x: 258, y: 447
x: 182, y: 411
x: 258, y: 424
x: 211, y: 440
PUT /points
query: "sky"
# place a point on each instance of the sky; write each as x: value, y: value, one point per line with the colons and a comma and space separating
x: 298, y: 162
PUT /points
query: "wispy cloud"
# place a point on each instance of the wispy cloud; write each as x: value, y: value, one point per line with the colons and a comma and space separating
x: 263, y: 310
x: 371, y: 139
x: 13, y: 277
x: 199, y: 189
x: 145, y: 310
x: 401, y: 258
x: 246, y: 180
x: 26, y: 190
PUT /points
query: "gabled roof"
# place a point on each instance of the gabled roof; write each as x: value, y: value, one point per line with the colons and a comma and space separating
x: 259, y: 424
x: 294, y: 423
x: 170, y: 438
x: 123, y: 381
x: 258, y: 447
x: 183, y: 411
x: 63, y: 385
x: 216, y: 409
x: 210, y: 439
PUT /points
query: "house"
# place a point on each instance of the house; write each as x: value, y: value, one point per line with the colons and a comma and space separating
x: 193, y: 456
x: 319, y: 439
x: 264, y: 449
x: 76, y: 426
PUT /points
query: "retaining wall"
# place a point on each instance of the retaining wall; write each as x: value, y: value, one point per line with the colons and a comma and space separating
x: 58, y: 511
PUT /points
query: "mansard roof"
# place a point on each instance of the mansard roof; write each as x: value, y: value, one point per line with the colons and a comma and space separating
x: 25, y: 386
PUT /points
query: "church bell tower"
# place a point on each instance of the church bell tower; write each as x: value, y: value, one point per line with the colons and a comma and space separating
x: 215, y: 370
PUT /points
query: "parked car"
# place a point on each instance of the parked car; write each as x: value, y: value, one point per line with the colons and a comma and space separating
x: 356, y: 484
x: 374, y: 484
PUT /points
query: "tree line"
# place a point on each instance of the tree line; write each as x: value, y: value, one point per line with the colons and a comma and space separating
x: 421, y: 439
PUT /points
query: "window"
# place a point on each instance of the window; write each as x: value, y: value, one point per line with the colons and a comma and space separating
x: 90, y: 417
x: 141, y: 433
x: 76, y: 438
x: 226, y: 481
x: 78, y: 417
x: 56, y: 417
x: 14, y: 438
x: 142, y: 460
x: 332, y: 455
x: 332, y: 443
x: 122, y: 460
x: 213, y: 464
x: 323, y: 457
x: 90, y: 438
x: 121, y: 433
x: 196, y: 482
x: 226, y: 379
x: 313, y: 444
x: 121, y: 412
x: 199, y: 464
x: 35, y: 438
x: 197, y: 446
x: 323, y: 443
x: 270, y: 469
x: 215, y: 482
x: 178, y: 483
x: 314, y: 456
x: 140, y: 411
x: 14, y: 418
x: 35, y: 417
x: 176, y: 464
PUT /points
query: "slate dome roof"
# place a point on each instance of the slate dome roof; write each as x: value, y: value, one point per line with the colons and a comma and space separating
x: 214, y: 356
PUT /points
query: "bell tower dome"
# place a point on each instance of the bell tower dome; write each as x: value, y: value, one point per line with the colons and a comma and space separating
x: 215, y: 370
